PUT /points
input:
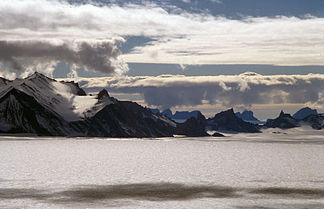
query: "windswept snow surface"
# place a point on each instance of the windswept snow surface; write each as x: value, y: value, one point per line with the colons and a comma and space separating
x: 275, y: 169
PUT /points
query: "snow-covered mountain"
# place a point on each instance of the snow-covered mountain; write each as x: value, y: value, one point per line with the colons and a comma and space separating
x: 66, y: 99
x: 43, y: 106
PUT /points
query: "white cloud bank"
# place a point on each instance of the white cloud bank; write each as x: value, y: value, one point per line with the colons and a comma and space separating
x: 231, y: 91
x: 179, y: 37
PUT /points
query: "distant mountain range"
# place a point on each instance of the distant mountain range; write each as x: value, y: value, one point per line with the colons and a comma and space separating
x: 286, y: 121
x: 182, y: 116
x: 46, y: 107
x: 178, y: 116
x: 245, y: 122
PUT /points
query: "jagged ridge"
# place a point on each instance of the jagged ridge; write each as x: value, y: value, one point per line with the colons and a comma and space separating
x: 228, y: 121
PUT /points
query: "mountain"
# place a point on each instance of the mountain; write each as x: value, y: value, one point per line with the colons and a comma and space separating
x: 248, y: 116
x: 286, y: 121
x: 304, y: 112
x: 126, y: 119
x: 192, y: 128
x: 178, y: 116
x: 21, y: 113
x: 167, y: 113
x: 227, y: 121
x: 283, y: 121
x: 315, y: 121
x: 46, y: 107
x: 184, y: 115
x: 43, y: 106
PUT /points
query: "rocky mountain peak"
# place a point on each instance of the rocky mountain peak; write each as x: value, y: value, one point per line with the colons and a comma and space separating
x: 284, y: 121
x: 282, y: 114
x: 228, y: 121
x: 102, y: 94
x: 227, y: 113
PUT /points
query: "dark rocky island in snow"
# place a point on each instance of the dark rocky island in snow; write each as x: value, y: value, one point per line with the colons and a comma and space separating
x: 227, y: 121
x: 286, y: 121
x: 283, y: 121
x: 193, y: 127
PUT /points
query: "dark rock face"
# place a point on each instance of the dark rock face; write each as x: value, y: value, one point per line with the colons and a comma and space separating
x: 192, y: 128
x: 127, y: 119
x: 304, y: 113
x: 284, y: 121
x: 315, y: 121
x: 103, y: 93
x: 227, y: 121
x: 3, y: 81
x: 21, y: 113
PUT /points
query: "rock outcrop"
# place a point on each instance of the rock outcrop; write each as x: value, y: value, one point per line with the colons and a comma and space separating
x: 227, y: 121
x: 283, y: 121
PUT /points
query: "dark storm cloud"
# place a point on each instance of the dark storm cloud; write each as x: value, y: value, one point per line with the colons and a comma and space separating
x: 98, y: 56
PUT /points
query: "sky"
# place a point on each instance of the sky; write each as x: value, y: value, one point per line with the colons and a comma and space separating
x: 209, y: 55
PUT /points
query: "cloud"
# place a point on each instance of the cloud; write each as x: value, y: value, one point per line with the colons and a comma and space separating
x: 26, y: 55
x: 231, y: 91
x: 55, y: 32
x: 177, y: 36
x: 216, y: 40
